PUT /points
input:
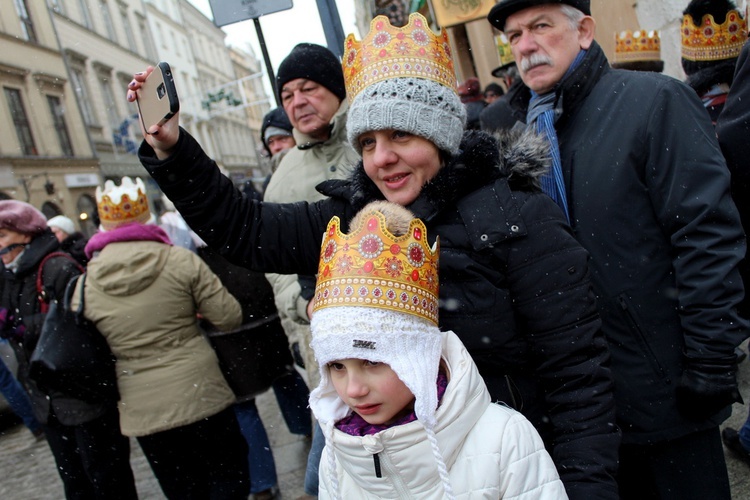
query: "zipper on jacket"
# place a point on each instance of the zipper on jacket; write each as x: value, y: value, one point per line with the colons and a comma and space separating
x: 396, y: 479
x: 378, y: 472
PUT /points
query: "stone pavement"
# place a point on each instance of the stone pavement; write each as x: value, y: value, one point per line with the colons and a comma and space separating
x: 27, y: 469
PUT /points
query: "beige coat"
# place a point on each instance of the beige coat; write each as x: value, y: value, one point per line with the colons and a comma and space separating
x: 143, y: 296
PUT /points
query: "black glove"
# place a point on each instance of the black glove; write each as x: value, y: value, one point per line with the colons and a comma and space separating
x: 707, y: 387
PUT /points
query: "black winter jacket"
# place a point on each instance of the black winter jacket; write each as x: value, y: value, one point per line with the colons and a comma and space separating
x: 19, y: 296
x: 648, y: 191
x: 514, y: 282
x: 733, y: 130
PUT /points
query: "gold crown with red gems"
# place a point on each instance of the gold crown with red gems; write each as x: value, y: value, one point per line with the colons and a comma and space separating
x: 371, y: 267
x: 632, y: 46
x: 118, y: 205
x: 388, y: 51
x: 713, y: 42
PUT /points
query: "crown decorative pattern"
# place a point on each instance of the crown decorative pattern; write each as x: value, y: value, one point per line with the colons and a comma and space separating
x: 631, y: 46
x: 118, y: 205
x: 388, y: 52
x: 372, y: 267
x: 713, y: 42
x: 503, y: 50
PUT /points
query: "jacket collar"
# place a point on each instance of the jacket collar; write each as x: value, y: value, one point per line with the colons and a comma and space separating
x: 338, y: 130
x: 36, y: 250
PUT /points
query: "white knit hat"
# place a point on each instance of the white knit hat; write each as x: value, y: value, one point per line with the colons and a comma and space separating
x: 383, y: 316
x: 415, y: 105
x: 63, y: 223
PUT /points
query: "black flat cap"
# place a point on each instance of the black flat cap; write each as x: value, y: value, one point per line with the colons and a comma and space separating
x: 500, y: 12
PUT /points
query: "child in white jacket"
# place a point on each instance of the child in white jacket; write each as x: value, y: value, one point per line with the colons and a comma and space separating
x: 404, y: 410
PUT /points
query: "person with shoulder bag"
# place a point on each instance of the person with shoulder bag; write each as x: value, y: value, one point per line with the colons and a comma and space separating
x: 91, y: 454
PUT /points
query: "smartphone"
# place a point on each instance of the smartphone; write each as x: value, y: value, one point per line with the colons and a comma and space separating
x: 157, y: 98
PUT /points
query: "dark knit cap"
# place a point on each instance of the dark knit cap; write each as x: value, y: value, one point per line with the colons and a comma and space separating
x: 275, y: 118
x: 21, y: 217
x: 500, y: 12
x: 703, y: 74
x: 312, y: 62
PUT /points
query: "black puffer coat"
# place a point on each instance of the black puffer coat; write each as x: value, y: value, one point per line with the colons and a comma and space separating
x: 19, y: 296
x: 514, y: 282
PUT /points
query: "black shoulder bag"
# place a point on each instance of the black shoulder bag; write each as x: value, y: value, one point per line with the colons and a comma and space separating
x: 72, y: 356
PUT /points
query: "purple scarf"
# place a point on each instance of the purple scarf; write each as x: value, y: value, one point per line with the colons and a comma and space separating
x: 129, y: 232
x: 354, y: 425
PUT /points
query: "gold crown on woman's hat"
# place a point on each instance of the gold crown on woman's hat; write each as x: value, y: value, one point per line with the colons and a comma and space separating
x: 118, y: 205
x: 371, y: 267
x: 388, y: 52
x: 631, y: 46
x: 713, y: 42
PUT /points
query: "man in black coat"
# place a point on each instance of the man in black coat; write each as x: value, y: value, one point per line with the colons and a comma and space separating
x: 646, y: 190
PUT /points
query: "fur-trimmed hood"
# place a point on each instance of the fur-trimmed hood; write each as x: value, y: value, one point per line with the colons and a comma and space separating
x: 520, y: 156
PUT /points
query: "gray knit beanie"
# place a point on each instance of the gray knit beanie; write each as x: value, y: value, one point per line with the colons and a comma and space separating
x: 415, y: 105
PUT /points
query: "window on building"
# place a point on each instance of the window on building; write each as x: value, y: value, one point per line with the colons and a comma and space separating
x: 107, y: 16
x: 86, y: 14
x: 84, y: 96
x: 27, y: 25
x: 110, y: 106
x: 20, y: 121
x: 128, y: 29
x: 58, y: 121
x: 146, y: 38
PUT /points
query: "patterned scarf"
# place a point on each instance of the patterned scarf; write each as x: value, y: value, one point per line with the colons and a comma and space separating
x: 541, y: 116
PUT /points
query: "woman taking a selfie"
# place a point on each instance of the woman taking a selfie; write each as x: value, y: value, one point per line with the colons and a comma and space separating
x: 515, y: 285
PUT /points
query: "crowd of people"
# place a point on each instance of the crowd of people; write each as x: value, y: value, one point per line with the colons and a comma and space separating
x: 531, y: 291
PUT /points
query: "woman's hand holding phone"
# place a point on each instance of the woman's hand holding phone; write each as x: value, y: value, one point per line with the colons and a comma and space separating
x: 163, y: 137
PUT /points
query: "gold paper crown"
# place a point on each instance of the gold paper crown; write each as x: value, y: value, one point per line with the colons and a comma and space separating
x: 118, y: 205
x: 632, y: 46
x: 503, y: 50
x: 371, y: 267
x: 388, y: 52
x: 711, y: 41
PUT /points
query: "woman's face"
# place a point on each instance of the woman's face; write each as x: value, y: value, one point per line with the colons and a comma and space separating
x: 399, y: 163
x: 7, y: 238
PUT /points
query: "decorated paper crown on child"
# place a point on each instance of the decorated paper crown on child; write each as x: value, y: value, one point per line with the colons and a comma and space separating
x: 376, y: 299
x: 638, y: 50
x: 123, y: 204
x: 402, y: 78
x: 709, y: 41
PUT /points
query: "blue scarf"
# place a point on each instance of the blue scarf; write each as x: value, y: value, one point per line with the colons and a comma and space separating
x: 541, y: 116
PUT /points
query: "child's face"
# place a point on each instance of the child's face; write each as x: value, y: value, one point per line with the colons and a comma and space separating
x: 371, y: 389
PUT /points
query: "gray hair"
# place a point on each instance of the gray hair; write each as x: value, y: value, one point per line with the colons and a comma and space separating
x: 574, y: 15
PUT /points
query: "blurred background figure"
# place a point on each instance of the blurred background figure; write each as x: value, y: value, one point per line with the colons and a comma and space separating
x: 92, y: 456
x: 18, y: 400
x: 638, y: 51
x: 72, y: 241
x: 471, y: 96
x: 277, y: 138
x: 493, y: 92
x: 713, y: 32
x: 144, y: 295
x: 175, y: 226
x: 254, y: 358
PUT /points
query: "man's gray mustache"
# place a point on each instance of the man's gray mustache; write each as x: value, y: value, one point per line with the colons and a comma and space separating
x: 535, y: 60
